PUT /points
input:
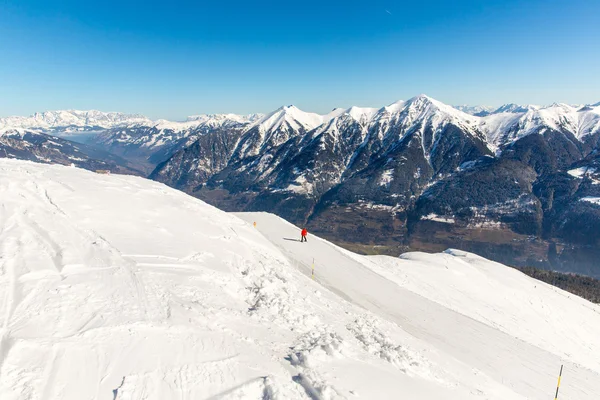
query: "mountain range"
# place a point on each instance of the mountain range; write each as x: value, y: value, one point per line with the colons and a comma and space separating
x: 519, y: 184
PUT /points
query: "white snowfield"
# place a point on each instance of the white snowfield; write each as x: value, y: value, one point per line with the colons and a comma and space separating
x: 117, y: 287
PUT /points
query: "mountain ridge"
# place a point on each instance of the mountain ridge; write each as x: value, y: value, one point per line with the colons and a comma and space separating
x: 377, y: 166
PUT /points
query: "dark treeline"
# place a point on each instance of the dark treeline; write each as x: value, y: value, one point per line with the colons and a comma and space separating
x: 582, y: 286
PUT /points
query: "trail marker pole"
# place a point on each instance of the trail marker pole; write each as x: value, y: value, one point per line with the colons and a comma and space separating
x: 313, y: 270
x: 558, y: 385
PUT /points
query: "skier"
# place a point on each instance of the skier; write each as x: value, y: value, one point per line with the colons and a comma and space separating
x: 303, y: 235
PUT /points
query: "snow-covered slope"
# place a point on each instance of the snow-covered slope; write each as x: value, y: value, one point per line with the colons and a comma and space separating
x: 116, y: 287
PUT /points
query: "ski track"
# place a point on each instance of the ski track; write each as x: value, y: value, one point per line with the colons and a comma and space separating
x: 413, y: 319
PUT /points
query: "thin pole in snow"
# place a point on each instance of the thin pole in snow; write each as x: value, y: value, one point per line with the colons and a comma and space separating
x: 558, y: 385
x: 313, y: 269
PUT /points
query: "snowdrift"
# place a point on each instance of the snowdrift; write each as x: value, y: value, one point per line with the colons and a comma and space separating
x: 116, y: 287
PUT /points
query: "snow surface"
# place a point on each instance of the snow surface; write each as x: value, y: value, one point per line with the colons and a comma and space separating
x: 591, y: 199
x: 116, y: 287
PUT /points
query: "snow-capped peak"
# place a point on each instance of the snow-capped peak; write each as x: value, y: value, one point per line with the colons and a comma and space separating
x: 290, y: 115
x: 424, y: 107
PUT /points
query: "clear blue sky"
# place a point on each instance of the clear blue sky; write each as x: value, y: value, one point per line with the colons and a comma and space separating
x: 170, y: 59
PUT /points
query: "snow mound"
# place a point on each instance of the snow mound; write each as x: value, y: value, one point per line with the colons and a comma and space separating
x: 116, y: 287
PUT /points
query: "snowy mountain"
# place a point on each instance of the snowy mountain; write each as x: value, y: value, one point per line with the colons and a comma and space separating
x: 67, y: 121
x: 416, y: 174
x: 156, y: 142
x: 34, y: 146
x: 143, y: 141
x: 508, y: 124
x: 153, y: 143
x: 293, y: 153
x: 382, y: 167
x: 117, y: 287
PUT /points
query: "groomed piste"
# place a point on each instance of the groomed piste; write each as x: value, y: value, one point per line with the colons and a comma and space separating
x: 117, y: 287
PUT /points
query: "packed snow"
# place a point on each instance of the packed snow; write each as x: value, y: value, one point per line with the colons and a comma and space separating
x: 117, y: 287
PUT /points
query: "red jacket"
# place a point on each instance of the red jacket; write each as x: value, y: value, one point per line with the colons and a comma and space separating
x: 304, y: 232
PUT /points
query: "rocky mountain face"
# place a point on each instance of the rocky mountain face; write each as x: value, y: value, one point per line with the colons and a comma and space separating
x: 149, y: 144
x: 535, y: 203
x: 142, y: 141
x: 517, y: 185
x: 39, y: 147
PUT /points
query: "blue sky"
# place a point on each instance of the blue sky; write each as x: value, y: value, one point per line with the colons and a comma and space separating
x: 170, y: 59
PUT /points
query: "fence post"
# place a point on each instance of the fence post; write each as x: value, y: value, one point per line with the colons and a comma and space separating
x: 558, y: 385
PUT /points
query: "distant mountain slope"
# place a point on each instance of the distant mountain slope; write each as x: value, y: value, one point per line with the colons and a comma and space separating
x: 144, y: 142
x: 39, y: 147
x: 152, y: 143
x: 72, y: 120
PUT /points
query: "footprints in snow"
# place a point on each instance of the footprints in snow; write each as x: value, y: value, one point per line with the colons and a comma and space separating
x: 272, y: 297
